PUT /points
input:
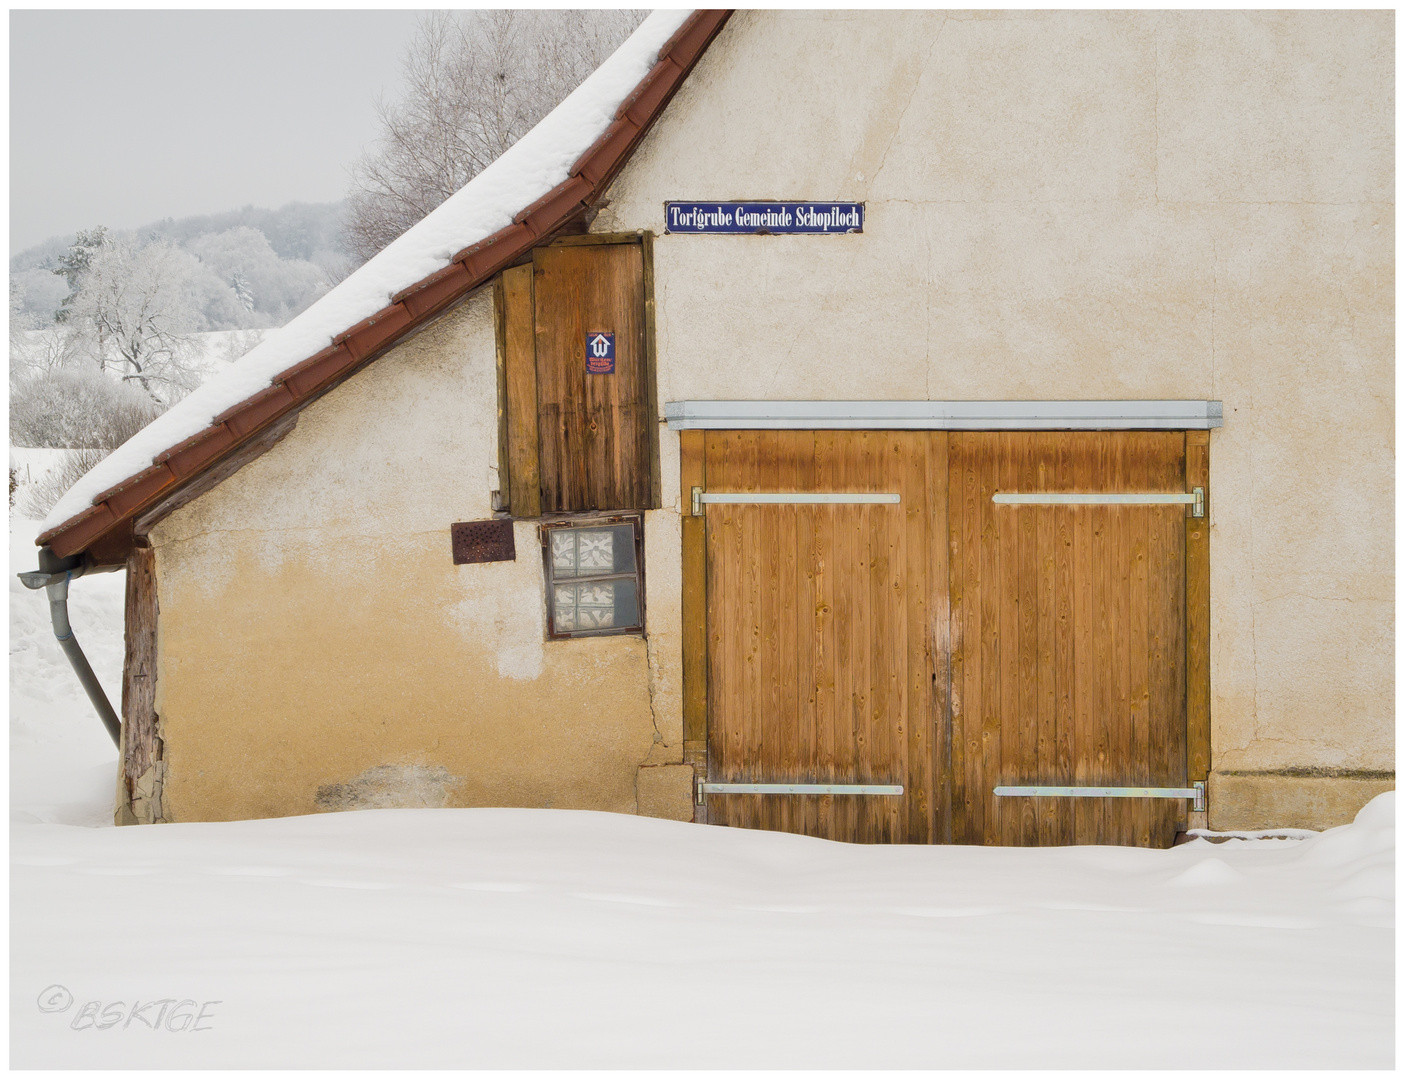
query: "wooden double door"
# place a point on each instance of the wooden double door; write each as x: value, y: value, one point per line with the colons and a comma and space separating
x: 942, y: 642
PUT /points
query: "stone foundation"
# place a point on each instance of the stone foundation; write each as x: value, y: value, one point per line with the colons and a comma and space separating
x: 1293, y: 798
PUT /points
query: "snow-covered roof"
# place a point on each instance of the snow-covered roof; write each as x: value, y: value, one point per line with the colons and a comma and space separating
x: 537, y: 166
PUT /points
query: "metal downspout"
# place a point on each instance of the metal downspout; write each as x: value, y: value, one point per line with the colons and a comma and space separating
x: 55, y: 583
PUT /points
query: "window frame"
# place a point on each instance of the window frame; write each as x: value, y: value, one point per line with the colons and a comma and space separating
x: 592, y: 521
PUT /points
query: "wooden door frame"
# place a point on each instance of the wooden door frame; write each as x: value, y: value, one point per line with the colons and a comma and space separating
x: 693, y: 462
x: 693, y: 473
x: 1197, y: 623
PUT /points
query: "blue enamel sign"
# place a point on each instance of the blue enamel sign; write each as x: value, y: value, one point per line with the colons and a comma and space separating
x: 600, y: 352
x: 763, y: 217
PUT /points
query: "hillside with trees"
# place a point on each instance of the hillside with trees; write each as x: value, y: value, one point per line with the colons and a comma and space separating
x: 109, y: 328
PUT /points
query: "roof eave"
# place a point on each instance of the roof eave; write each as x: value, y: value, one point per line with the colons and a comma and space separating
x: 106, y: 524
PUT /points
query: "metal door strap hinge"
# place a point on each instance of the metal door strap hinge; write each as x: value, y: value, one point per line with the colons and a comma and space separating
x: 1196, y: 793
x: 792, y: 498
x: 800, y: 789
x: 1195, y: 499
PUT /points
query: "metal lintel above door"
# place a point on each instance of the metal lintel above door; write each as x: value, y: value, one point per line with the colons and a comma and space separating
x: 1184, y: 415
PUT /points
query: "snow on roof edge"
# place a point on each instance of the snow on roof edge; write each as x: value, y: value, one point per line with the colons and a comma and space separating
x: 529, y: 169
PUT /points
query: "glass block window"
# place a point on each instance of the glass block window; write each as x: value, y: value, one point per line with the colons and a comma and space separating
x: 593, y: 577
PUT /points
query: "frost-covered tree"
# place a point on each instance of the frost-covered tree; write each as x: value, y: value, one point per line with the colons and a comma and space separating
x: 266, y: 290
x: 37, y: 346
x: 137, y: 307
x: 476, y: 82
x: 73, y: 265
x: 242, y: 290
x: 76, y: 407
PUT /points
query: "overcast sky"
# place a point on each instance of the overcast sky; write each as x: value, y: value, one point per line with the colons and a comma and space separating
x: 121, y: 118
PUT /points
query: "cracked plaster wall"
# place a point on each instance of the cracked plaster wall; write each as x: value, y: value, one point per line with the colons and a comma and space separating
x: 318, y: 648
x: 1085, y: 205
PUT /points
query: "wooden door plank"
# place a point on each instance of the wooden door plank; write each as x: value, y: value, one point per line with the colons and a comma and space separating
x: 1025, y: 452
x: 991, y: 593
x: 1065, y: 641
x: 975, y: 573
x: 850, y: 568
x: 931, y: 642
x: 921, y: 528
x: 749, y: 622
x: 1084, y: 737
x: 864, y: 472
x: 1046, y: 632
x: 888, y: 634
x: 808, y: 631
x: 1123, y: 448
x: 1104, y: 584
x: 519, y: 342
x: 1005, y: 759
x: 954, y: 765
x: 965, y: 643
x: 790, y: 447
x: 767, y: 748
x: 822, y: 650
x: 1139, y: 645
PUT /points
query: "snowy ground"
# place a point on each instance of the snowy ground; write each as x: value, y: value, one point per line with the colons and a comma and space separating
x: 63, y: 766
x: 556, y: 938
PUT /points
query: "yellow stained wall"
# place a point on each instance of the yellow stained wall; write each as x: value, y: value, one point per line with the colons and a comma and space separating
x: 319, y: 650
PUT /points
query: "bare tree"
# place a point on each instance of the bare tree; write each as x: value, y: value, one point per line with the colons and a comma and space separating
x: 137, y: 307
x: 476, y: 82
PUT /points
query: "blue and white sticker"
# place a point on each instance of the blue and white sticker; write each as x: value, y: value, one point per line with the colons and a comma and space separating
x: 600, y: 352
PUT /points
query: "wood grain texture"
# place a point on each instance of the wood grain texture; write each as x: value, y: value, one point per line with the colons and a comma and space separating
x: 694, y: 611
x: 595, y: 430
x: 653, y: 406
x: 500, y: 347
x: 520, y: 378
x: 1067, y: 654
x: 141, y: 738
x: 1197, y: 586
x: 821, y: 637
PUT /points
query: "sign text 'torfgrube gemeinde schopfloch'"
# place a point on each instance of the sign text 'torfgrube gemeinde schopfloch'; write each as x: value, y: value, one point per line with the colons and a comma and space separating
x: 763, y: 217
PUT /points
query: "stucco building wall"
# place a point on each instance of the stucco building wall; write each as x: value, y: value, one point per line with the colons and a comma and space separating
x: 319, y: 650
x: 1065, y: 205
x: 1090, y: 205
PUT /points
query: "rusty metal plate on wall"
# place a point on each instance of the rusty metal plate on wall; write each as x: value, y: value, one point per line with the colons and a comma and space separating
x: 483, y: 541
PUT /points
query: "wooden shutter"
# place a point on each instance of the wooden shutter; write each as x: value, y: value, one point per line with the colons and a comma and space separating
x: 578, y: 440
